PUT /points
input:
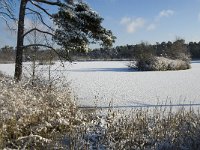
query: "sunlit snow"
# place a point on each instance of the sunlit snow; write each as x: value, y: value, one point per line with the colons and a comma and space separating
x: 103, y: 82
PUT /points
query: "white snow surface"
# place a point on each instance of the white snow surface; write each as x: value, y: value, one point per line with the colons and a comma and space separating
x: 98, y: 83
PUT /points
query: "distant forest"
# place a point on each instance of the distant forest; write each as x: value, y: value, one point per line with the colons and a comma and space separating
x: 127, y: 52
x: 131, y: 51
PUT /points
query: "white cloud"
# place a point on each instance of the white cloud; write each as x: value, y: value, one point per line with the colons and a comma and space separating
x: 132, y: 25
x: 165, y: 13
x: 157, y: 19
x: 151, y: 27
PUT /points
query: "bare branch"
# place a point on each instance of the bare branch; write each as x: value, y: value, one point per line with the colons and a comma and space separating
x: 7, y: 8
x: 8, y: 15
x: 7, y: 23
x: 38, y: 6
x: 40, y: 17
x: 36, y: 29
x: 7, y: 12
x: 50, y: 47
x: 56, y: 3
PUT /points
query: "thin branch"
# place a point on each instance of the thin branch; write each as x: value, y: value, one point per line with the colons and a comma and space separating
x: 40, y: 17
x: 7, y: 6
x: 8, y: 25
x: 47, y: 46
x: 6, y: 14
x: 56, y: 3
x: 42, y: 45
x: 30, y: 13
x: 33, y: 11
x: 38, y: 6
x: 36, y: 29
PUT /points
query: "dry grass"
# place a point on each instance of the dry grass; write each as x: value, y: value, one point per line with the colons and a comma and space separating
x: 33, y: 115
x: 39, y: 117
x: 155, y: 130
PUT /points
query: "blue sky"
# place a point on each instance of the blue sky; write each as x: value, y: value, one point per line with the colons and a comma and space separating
x: 133, y: 21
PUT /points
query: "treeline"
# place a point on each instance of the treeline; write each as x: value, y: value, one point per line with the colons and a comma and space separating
x: 127, y: 52
x: 7, y: 54
x: 131, y: 51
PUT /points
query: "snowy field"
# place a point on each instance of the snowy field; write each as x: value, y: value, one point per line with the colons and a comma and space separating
x: 99, y: 83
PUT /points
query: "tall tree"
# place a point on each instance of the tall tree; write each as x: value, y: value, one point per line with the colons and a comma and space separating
x: 89, y: 28
x: 179, y: 50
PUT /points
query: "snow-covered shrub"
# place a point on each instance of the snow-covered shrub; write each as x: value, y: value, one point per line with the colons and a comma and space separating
x: 162, y: 64
x: 171, y: 56
x: 34, y: 116
x: 145, y: 64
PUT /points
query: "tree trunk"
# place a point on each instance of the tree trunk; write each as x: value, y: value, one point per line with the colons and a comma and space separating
x: 20, y: 41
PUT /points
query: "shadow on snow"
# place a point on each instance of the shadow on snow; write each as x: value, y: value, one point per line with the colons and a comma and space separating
x: 195, y: 61
x: 102, y: 70
x: 140, y: 106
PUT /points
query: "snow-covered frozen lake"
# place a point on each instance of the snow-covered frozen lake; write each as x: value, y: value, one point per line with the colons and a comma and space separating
x: 98, y: 83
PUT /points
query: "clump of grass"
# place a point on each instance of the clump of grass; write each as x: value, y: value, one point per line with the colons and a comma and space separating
x: 155, y: 130
x: 142, y: 129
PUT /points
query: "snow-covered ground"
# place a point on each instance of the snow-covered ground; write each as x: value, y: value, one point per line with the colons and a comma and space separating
x: 103, y: 82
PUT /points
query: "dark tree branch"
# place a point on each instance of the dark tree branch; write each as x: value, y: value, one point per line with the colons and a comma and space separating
x: 55, y: 3
x: 8, y: 24
x: 47, y: 46
x: 36, y: 29
x: 6, y: 14
x: 41, y: 45
x: 30, y: 13
x: 44, y: 10
x: 7, y: 7
x: 40, y: 18
x: 7, y: 11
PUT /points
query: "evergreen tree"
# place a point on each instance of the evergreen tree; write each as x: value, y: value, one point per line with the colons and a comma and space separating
x: 77, y: 23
